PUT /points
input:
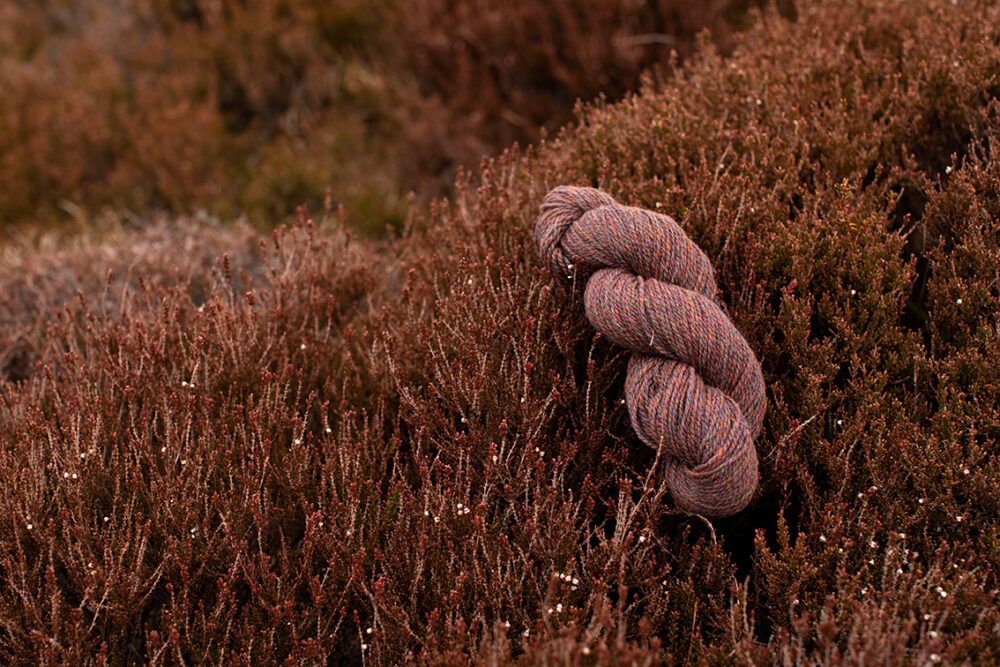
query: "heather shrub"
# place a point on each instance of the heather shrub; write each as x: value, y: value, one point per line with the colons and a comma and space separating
x: 256, y: 108
x: 323, y: 449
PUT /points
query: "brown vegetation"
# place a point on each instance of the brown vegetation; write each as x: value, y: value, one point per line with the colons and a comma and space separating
x: 258, y: 107
x: 319, y: 449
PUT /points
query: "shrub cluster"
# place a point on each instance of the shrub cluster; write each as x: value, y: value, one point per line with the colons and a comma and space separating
x: 319, y: 449
x: 257, y: 107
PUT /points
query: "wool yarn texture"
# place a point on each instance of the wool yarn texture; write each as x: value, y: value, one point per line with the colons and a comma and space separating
x: 694, y: 388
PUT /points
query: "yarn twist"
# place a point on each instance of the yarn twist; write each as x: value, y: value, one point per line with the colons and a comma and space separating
x: 693, y: 387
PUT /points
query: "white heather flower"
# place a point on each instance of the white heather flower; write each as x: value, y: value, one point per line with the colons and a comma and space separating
x: 920, y: 501
x: 329, y: 430
x: 822, y: 538
x: 586, y: 650
x: 576, y: 581
x: 74, y: 475
x: 559, y: 607
x: 369, y: 630
x: 297, y: 441
x: 927, y: 617
x: 302, y: 347
x: 31, y: 526
x: 642, y: 538
x: 65, y: 475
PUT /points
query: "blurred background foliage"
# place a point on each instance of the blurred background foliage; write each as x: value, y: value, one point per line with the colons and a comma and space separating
x: 253, y: 107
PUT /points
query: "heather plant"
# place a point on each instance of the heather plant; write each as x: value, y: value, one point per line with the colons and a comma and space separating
x: 315, y: 448
x: 255, y: 108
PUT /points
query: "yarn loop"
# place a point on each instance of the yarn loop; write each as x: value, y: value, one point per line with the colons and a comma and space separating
x: 694, y: 388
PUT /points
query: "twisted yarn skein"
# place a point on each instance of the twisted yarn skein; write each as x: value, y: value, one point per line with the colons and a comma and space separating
x: 694, y: 387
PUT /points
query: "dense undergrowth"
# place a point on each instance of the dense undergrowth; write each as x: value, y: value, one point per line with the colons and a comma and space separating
x: 312, y: 448
x: 256, y: 107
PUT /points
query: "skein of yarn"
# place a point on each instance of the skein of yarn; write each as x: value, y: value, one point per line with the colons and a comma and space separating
x: 693, y: 387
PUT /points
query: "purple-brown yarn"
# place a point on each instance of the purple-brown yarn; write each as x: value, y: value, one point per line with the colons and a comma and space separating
x: 694, y: 387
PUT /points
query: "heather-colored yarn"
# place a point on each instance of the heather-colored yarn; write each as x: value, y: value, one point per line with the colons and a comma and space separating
x: 694, y: 387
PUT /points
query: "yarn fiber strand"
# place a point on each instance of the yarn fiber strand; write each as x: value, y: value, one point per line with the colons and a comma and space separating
x: 694, y: 388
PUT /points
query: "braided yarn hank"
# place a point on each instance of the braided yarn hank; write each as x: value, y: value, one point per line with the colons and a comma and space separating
x: 693, y: 387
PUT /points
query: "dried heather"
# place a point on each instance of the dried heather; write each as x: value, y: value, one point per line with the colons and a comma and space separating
x: 319, y: 450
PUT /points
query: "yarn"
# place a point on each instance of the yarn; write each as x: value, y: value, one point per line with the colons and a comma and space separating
x: 693, y: 387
